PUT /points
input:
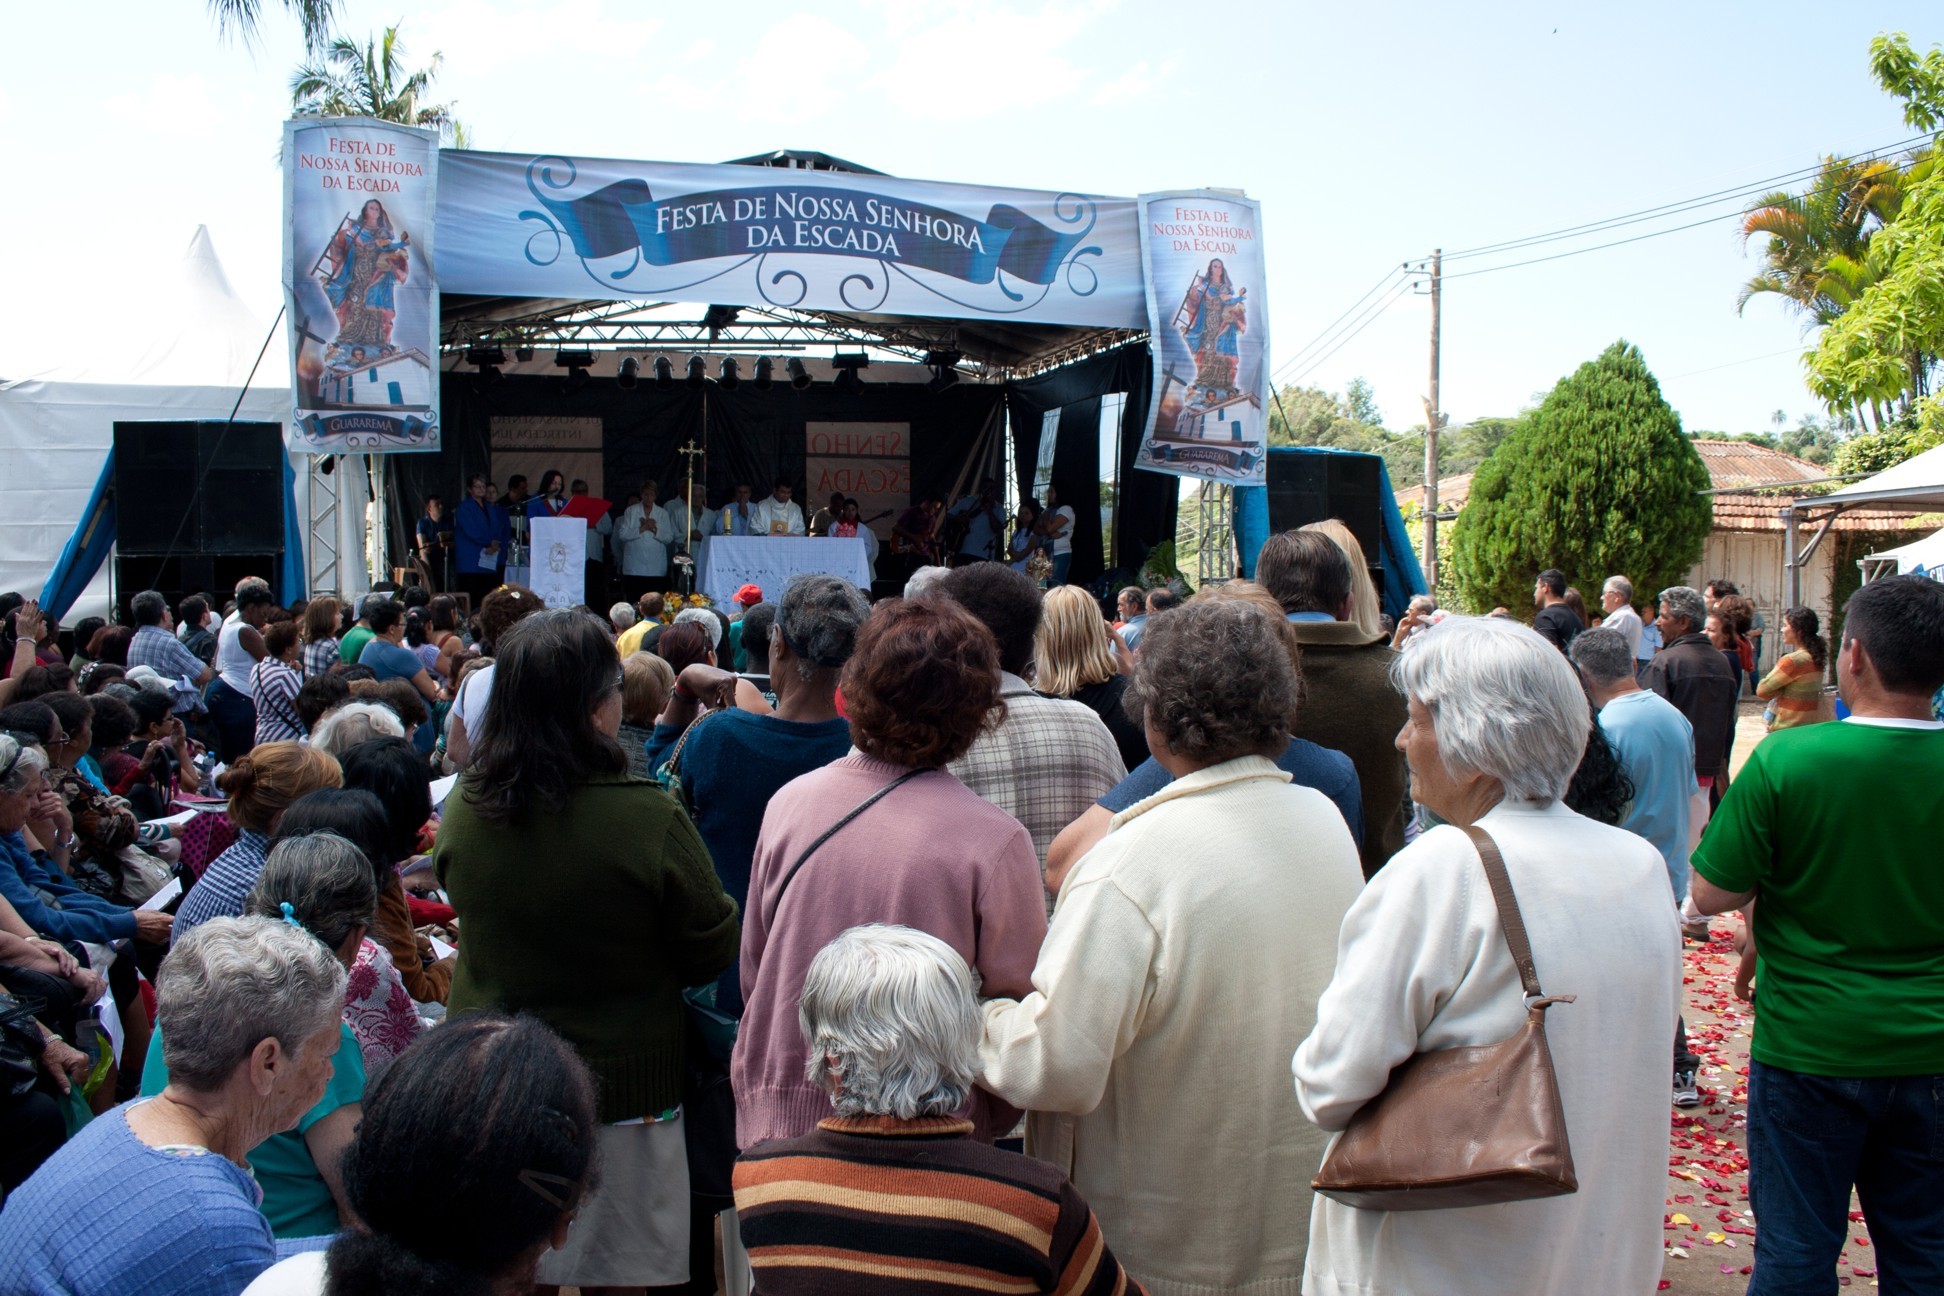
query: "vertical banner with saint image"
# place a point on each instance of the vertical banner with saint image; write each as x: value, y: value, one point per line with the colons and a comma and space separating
x: 359, y: 289
x: 1202, y: 256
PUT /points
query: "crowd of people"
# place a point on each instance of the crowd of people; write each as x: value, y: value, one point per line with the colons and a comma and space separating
x: 979, y: 938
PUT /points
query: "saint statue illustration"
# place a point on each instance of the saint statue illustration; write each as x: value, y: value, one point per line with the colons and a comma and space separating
x: 363, y: 264
x: 1212, y: 316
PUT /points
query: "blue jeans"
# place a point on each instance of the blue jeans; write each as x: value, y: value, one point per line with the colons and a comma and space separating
x: 1809, y: 1139
x: 1062, y: 564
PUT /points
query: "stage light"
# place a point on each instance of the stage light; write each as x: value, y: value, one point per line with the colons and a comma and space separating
x: 664, y: 374
x: 576, y: 363
x: 630, y: 370
x: 847, y: 366
x: 485, y: 355
x: 523, y: 353
x: 731, y: 374
x: 327, y: 465
x: 765, y: 373
x: 799, y: 376
x: 698, y: 371
x: 944, y: 367
x: 718, y: 318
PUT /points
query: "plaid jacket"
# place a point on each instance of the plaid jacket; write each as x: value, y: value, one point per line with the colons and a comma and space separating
x: 1047, y: 762
x: 160, y: 651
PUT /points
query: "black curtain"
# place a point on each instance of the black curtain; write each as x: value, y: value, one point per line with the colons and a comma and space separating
x: 1147, y: 507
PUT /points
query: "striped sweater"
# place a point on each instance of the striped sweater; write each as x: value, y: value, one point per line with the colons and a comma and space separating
x: 874, y: 1204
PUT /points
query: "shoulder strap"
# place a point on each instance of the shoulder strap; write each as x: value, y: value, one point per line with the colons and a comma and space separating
x: 832, y: 831
x: 1510, y: 919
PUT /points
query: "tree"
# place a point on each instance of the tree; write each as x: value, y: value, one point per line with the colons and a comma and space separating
x: 371, y: 81
x: 1310, y: 416
x: 1905, y: 438
x: 1598, y: 480
x: 1817, y: 254
x: 239, y: 18
x: 1360, y: 403
x: 1886, y: 343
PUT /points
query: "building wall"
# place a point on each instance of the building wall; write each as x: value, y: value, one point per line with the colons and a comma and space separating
x: 1753, y: 561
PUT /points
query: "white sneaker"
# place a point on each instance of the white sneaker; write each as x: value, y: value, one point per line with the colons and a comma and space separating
x: 1686, y: 1094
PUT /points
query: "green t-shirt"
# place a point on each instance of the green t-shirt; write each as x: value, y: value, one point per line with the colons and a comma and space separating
x: 296, y: 1200
x: 353, y: 643
x: 1840, y: 826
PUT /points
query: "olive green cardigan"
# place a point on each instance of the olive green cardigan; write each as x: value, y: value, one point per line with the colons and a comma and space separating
x: 592, y: 920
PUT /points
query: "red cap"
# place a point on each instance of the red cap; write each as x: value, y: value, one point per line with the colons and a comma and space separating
x: 750, y: 595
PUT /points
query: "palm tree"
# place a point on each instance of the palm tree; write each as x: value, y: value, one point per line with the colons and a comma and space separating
x: 370, y: 81
x: 239, y: 18
x: 1828, y: 225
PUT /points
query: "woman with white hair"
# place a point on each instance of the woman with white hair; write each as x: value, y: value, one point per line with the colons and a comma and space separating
x: 344, y: 727
x: 1498, y: 723
x: 252, y: 1010
x: 892, y: 1190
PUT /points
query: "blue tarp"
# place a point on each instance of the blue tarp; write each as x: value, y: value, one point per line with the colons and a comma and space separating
x: 1403, y: 576
x: 86, y: 549
x: 92, y: 540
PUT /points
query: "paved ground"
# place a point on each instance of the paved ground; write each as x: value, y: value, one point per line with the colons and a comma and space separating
x: 1710, y: 1232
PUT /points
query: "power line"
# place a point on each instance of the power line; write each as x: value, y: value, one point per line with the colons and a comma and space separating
x: 1369, y: 317
x: 1767, y: 355
x: 1297, y: 356
x: 1678, y: 207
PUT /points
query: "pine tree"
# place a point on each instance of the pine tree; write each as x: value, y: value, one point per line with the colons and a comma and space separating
x: 1598, y: 482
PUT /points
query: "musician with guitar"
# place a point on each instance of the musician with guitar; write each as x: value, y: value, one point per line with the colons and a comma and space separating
x: 914, y: 536
x: 974, y: 526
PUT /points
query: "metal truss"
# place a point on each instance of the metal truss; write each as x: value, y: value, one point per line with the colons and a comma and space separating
x: 1215, y: 533
x: 324, y: 573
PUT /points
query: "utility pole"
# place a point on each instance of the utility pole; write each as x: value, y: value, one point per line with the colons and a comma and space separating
x: 1433, y: 422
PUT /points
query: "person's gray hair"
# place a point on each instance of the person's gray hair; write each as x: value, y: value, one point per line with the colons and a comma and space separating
x: 1684, y: 603
x: 892, y: 1019
x: 819, y: 619
x: 1215, y: 681
x: 26, y: 762
x: 923, y: 579
x: 232, y: 983
x: 622, y: 615
x: 1602, y: 655
x: 327, y: 882
x: 1618, y: 585
x: 344, y: 727
x: 1423, y: 603
x: 148, y: 608
x: 1503, y: 703
x: 711, y: 625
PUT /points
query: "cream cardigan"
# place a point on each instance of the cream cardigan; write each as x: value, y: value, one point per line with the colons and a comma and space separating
x: 1186, y: 955
x: 1423, y: 965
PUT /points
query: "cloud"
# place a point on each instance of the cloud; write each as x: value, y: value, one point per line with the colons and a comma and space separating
x: 1135, y: 83
x: 700, y: 50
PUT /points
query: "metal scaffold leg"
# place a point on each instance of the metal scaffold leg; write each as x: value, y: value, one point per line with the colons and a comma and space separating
x: 1214, y: 534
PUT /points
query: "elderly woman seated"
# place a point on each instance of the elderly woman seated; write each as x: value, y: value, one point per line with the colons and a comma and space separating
x: 321, y: 885
x: 893, y: 1190
x: 157, y: 1196
x: 1186, y: 945
x: 342, y: 728
x: 1497, y: 725
x: 461, y: 1188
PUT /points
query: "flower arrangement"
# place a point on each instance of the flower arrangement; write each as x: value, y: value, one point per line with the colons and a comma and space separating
x: 673, y: 603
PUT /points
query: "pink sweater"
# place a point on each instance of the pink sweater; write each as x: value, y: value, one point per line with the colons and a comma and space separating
x: 930, y: 855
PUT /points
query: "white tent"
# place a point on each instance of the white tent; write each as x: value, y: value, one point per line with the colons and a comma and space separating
x: 56, y: 428
x: 1922, y: 557
x: 1916, y: 484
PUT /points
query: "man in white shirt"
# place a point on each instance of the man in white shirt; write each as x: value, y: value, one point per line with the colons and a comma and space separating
x: 777, y: 515
x: 643, y: 539
x: 1616, y: 598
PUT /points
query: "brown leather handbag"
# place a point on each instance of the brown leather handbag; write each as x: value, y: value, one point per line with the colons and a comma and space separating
x: 1465, y: 1126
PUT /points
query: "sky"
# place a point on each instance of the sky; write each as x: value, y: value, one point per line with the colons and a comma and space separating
x: 1370, y: 133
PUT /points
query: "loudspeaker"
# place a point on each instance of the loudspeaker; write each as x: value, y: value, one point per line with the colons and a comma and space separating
x: 177, y: 578
x: 1305, y: 488
x: 193, y: 489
